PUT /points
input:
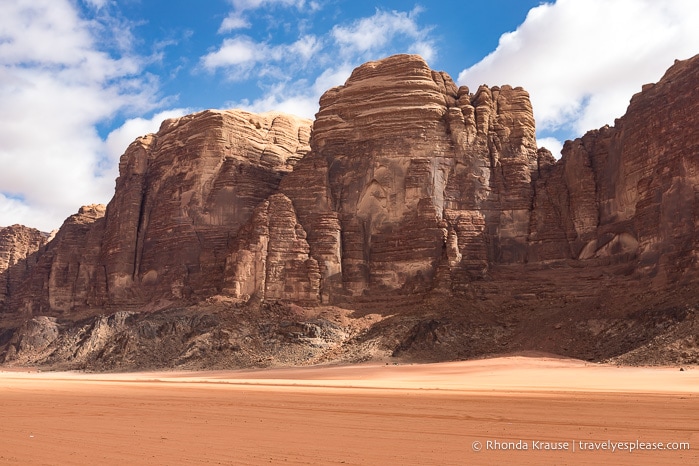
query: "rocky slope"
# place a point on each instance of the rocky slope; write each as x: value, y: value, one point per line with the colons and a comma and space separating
x: 420, y: 220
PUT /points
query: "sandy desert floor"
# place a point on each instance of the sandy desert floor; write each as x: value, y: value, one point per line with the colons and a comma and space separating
x: 475, y: 412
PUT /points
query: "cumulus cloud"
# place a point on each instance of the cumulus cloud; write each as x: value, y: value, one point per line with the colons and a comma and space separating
x: 296, y: 97
x: 240, y: 54
x: 235, y: 52
x: 317, y: 62
x: 582, y: 60
x: 232, y: 22
x: 17, y: 210
x: 552, y: 144
x: 368, y: 35
x: 56, y: 85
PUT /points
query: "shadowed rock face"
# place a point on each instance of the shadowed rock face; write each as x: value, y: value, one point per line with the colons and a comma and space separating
x: 18, y: 248
x: 629, y: 191
x: 17, y: 242
x: 407, y: 183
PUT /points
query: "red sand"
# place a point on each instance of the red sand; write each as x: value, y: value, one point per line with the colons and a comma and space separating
x: 367, y: 414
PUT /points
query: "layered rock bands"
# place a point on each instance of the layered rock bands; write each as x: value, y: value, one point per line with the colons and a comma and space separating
x: 403, y: 183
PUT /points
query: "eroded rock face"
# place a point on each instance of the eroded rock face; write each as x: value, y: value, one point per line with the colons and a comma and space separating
x: 181, y: 197
x: 183, y: 194
x: 406, y: 184
x: 67, y: 273
x: 17, y: 242
x: 271, y: 259
x: 18, y: 248
x: 423, y: 178
x: 629, y: 192
x: 406, y: 169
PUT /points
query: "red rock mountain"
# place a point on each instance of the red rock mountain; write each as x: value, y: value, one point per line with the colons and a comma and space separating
x: 404, y: 186
x: 18, y: 247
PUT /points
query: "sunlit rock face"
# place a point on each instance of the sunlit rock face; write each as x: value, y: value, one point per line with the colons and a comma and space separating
x: 403, y: 183
x: 413, y: 171
x: 183, y: 194
x: 409, y: 175
x: 181, y: 197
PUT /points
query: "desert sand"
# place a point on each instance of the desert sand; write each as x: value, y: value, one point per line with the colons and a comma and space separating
x: 473, y: 412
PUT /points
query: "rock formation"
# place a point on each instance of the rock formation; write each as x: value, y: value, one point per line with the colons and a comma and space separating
x: 183, y: 194
x: 405, y: 190
x: 18, y: 248
x: 18, y: 242
x: 271, y: 260
x: 181, y: 197
x: 629, y: 191
x: 66, y: 275
x: 411, y: 171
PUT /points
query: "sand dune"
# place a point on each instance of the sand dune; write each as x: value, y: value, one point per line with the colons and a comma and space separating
x: 365, y: 414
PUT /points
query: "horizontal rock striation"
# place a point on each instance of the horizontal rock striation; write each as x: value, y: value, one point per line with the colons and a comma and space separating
x: 183, y: 194
x: 67, y: 273
x: 410, y: 171
x: 629, y: 192
x: 181, y: 197
x: 405, y: 183
x: 18, y: 242
x: 271, y: 260
x: 19, y: 246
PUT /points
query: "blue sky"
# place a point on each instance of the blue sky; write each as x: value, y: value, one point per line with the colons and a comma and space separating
x: 456, y: 39
x: 80, y: 79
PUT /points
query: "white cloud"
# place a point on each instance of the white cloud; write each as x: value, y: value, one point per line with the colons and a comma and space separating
x: 305, y: 48
x: 376, y: 32
x: 297, y: 97
x: 238, y: 55
x: 232, y: 22
x: 235, y: 52
x: 16, y: 211
x: 332, y: 77
x: 302, y: 105
x: 364, y: 39
x: 325, y: 61
x: 582, y: 60
x: 425, y: 49
x: 97, y: 4
x: 56, y: 85
x: 552, y: 144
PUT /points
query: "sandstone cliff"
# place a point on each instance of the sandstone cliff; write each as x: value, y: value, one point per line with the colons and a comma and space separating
x: 412, y: 172
x: 629, y: 191
x: 18, y: 248
x: 410, y: 197
x: 180, y: 199
x: 18, y: 242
